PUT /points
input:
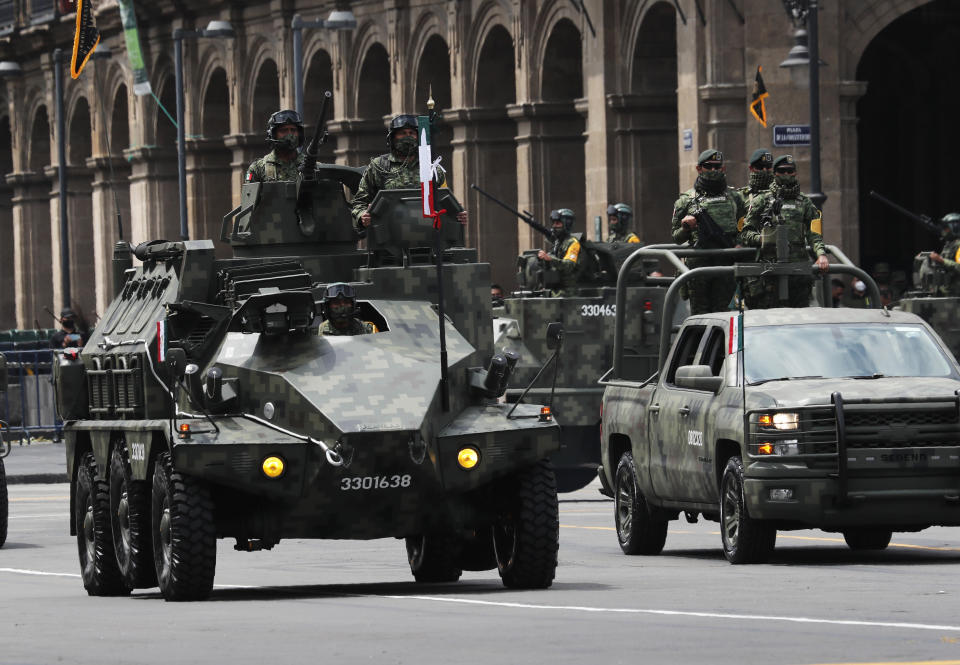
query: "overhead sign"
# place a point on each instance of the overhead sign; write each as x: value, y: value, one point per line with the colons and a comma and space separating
x: 787, y: 135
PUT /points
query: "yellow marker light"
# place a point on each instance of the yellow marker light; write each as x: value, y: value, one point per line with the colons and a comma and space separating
x: 184, y: 429
x: 766, y: 420
x: 765, y: 449
x: 546, y: 415
x: 273, y: 467
x: 468, y: 458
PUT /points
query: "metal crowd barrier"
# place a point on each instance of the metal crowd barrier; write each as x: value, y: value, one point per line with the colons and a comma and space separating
x: 27, y: 406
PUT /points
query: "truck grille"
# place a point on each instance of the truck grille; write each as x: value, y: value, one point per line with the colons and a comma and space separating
x: 902, y: 428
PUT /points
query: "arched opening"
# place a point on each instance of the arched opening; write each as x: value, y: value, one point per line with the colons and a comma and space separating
x: 433, y: 73
x: 373, y: 89
x: 496, y: 157
x: 906, y: 138
x: 80, y: 209
x: 40, y: 141
x: 166, y: 131
x: 646, y: 160
x: 119, y: 125
x: 319, y: 79
x: 562, y: 127
x: 211, y: 185
x: 266, y: 94
x: 8, y: 305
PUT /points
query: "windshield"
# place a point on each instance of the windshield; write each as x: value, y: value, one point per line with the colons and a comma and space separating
x: 860, y: 350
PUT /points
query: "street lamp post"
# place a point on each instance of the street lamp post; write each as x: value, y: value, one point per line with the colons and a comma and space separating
x: 58, y: 62
x: 338, y: 20
x: 800, y: 12
x: 214, y: 29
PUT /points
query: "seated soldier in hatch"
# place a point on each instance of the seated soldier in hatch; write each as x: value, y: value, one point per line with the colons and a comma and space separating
x: 339, y: 309
x: 285, y: 134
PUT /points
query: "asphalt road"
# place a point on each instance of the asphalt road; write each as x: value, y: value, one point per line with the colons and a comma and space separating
x: 356, y: 602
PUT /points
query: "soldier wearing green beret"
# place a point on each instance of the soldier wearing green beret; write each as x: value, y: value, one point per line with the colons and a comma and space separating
x: 783, y: 204
x: 725, y: 206
x: 761, y: 175
x: 948, y: 259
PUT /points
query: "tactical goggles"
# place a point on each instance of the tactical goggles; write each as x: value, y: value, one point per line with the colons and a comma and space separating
x: 711, y: 166
x: 611, y: 211
x: 786, y: 170
x: 340, y: 290
x: 403, y: 122
x: 286, y: 118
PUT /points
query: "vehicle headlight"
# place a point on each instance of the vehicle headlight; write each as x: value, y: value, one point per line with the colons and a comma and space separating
x: 781, y: 421
x: 468, y: 457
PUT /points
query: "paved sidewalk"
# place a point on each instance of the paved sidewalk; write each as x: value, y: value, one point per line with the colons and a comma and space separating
x: 38, y: 462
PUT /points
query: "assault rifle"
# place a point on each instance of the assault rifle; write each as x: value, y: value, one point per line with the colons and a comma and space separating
x: 318, y: 139
x: 709, y: 233
x: 525, y: 216
x: 923, y: 220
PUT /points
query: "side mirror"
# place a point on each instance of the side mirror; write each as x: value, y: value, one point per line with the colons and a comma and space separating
x: 698, y: 377
x: 554, y: 335
x: 176, y: 362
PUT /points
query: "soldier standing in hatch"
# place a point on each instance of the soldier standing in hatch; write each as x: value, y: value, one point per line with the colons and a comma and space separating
x: 339, y: 309
x: 565, y: 255
x: 618, y: 224
x: 948, y: 258
x: 285, y: 134
x: 397, y: 169
x: 761, y: 175
x: 725, y: 206
x: 805, y: 227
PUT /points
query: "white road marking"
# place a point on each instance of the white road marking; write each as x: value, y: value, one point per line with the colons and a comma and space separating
x: 681, y: 613
x: 35, y: 517
x: 21, y: 571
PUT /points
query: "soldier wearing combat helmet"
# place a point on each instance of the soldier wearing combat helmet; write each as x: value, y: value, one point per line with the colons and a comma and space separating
x: 618, y: 223
x: 285, y: 134
x: 565, y: 255
x: 783, y: 204
x: 948, y: 259
x: 339, y: 309
x: 397, y: 169
x: 725, y: 206
x: 761, y: 175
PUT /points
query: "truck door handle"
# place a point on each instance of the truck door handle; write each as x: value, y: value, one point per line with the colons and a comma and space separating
x: 684, y: 410
x: 654, y: 408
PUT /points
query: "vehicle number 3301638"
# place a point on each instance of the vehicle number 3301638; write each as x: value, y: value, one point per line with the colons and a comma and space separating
x: 598, y: 310
x: 375, y: 482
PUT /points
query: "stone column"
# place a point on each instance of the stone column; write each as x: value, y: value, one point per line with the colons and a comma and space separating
x: 209, y: 190
x: 32, y: 250
x: 105, y: 231
x: 8, y: 287
x: 844, y: 231
x: 484, y: 152
x: 644, y: 153
x: 550, y: 163
x: 154, y: 199
x: 80, y: 246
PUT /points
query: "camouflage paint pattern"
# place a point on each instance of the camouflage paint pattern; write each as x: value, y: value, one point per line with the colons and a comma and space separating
x: 681, y: 448
x: 376, y: 399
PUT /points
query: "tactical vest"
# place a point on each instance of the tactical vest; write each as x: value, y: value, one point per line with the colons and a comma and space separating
x: 792, y: 213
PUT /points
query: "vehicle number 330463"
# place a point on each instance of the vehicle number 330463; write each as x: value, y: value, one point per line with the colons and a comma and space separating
x: 598, y: 310
x: 375, y: 482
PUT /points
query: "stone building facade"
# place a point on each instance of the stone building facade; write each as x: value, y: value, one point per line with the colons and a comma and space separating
x: 544, y: 105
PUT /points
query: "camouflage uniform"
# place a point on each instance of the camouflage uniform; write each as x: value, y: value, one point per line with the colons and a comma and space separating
x: 357, y: 327
x: 727, y: 210
x: 270, y: 168
x: 566, y: 261
x: 804, y: 222
x: 950, y: 285
x: 760, y: 179
x: 388, y: 171
x: 630, y: 237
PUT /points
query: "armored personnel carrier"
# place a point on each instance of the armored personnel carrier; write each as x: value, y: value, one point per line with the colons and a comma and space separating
x: 927, y: 301
x: 205, y: 405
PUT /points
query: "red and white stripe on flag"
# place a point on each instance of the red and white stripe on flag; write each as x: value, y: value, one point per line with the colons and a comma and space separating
x: 426, y: 170
x: 161, y: 341
x: 735, y: 333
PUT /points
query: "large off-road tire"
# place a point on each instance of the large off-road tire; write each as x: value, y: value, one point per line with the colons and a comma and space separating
x: 526, y: 537
x: 434, y: 558
x: 98, y: 561
x: 4, y: 504
x: 745, y: 540
x: 637, y: 531
x: 184, y: 534
x: 867, y: 539
x: 130, y: 522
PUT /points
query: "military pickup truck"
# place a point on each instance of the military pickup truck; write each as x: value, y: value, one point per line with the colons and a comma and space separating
x: 837, y: 419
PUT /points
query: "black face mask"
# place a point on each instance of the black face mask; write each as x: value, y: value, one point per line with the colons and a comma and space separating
x: 558, y: 233
x: 760, y: 180
x: 788, y: 185
x: 405, y: 146
x: 711, y: 182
